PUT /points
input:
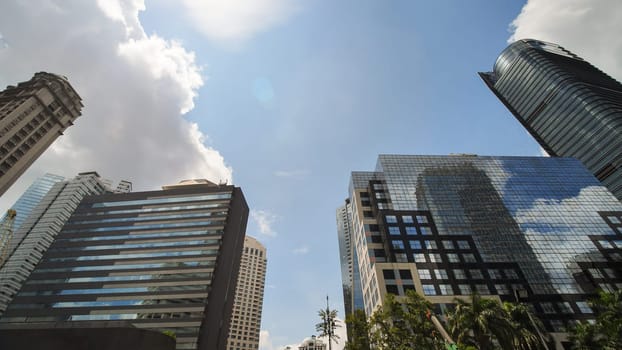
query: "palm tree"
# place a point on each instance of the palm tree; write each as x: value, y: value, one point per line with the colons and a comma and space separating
x: 328, y: 324
x: 526, y: 327
x: 480, y: 323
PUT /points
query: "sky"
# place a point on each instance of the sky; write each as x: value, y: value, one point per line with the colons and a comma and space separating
x: 284, y: 98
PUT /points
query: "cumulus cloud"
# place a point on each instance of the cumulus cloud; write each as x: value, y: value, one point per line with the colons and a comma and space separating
x: 589, y: 28
x: 135, y: 88
x: 237, y: 20
x: 264, y: 221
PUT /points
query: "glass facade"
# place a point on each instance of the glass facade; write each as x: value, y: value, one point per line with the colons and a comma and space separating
x: 32, y: 196
x: 570, y: 107
x: 538, y: 229
x: 153, y: 258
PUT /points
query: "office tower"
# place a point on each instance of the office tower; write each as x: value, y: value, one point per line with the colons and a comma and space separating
x: 36, y: 233
x: 569, y: 106
x: 32, y: 196
x: 246, y: 317
x: 538, y: 229
x: 163, y: 260
x: 32, y: 115
x: 350, y: 277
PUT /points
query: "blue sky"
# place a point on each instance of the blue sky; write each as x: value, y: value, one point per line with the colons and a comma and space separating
x: 287, y: 97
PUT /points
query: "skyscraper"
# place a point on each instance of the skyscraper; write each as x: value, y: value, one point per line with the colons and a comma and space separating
x: 569, y: 106
x: 538, y: 229
x: 36, y: 233
x: 350, y: 277
x: 162, y: 260
x: 32, y: 196
x: 32, y: 115
x: 247, y: 306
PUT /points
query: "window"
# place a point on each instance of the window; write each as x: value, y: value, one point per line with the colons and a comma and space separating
x: 511, y: 274
x: 464, y: 245
x: 494, y: 274
x: 476, y: 274
x: 411, y: 230
x: 460, y: 275
x: 425, y: 230
x: 391, y: 219
x: 448, y: 244
x: 547, y: 308
x: 392, y: 289
x: 428, y: 289
x: 441, y: 274
x: 415, y: 244
x: 407, y: 219
x: 406, y: 275
x: 397, y: 244
x: 435, y: 258
x: 394, y: 230
x: 419, y: 257
x: 424, y: 274
x: 388, y: 274
x: 445, y: 289
x: 469, y: 258
x: 502, y: 289
x: 422, y: 219
x: 482, y: 289
x: 584, y: 307
x: 430, y: 244
x: 453, y: 258
x: 465, y: 289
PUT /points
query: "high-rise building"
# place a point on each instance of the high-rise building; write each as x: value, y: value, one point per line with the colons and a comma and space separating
x: 161, y: 260
x: 32, y: 115
x: 246, y: 317
x: 32, y: 196
x: 536, y: 229
x: 39, y: 230
x: 350, y: 277
x: 569, y: 106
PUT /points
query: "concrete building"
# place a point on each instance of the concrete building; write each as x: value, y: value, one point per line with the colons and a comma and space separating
x: 569, y: 106
x: 32, y: 115
x: 247, y: 307
x: 160, y: 260
x: 539, y: 229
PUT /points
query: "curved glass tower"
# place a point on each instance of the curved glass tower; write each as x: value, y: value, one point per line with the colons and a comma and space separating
x: 569, y: 106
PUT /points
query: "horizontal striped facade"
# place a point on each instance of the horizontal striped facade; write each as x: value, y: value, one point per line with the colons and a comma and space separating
x: 162, y: 260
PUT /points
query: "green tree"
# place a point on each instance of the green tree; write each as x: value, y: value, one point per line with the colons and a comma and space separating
x: 401, y: 325
x: 328, y: 325
x: 358, y: 331
x: 606, y: 332
x: 480, y: 323
x: 526, y: 327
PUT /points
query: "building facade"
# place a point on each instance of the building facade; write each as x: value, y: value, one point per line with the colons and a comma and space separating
x: 535, y: 229
x: 569, y: 106
x: 40, y: 228
x: 350, y: 277
x: 162, y: 260
x: 32, y: 196
x: 32, y: 115
x: 247, y: 307
x: 312, y: 343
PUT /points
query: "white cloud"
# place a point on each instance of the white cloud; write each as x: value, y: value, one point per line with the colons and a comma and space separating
x: 588, y: 28
x: 135, y: 88
x: 264, y: 221
x: 267, y: 343
x: 237, y: 20
x: 301, y: 250
x: 543, y: 153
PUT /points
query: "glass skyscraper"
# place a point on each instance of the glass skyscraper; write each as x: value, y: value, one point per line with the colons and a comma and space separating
x: 569, y: 106
x: 536, y: 229
x: 162, y: 260
x: 32, y: 196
